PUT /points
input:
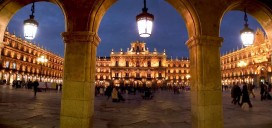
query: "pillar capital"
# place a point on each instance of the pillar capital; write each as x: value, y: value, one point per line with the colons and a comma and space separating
x: 81, y: 37
x: 204, y: 40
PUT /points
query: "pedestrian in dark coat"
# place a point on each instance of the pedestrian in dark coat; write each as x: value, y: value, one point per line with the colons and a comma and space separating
x: 109, y: 91
x: 263, y: 90
x: 236, y: 94
x: 245, y: 96
x: 35, y: 84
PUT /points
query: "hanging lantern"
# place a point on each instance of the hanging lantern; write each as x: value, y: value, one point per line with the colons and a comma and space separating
x: 247, y: 34
x: 145, y: 22
x: 30, y: 26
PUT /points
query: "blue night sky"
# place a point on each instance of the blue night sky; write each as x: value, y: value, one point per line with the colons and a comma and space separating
x: 118, y: 28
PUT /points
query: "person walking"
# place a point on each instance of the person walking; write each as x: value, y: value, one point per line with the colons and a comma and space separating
x: 46, y: 87
x: 251, y: 90
x: 35, y: 84
x: 233, y: 94
x: 237, y: 94
x: 109, y: 91
x: 262, y: 91
x: 245, y: 96
x: 114, y: 95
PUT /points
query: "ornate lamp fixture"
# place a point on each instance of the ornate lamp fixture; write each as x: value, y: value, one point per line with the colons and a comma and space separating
x: 30, y: 25
x: 247, y: 34
x: 145, y: 22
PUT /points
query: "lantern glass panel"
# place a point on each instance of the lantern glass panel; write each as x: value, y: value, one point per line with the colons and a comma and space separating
x: 30, y: 30
x: 247, y: 38
x: 145, y: 25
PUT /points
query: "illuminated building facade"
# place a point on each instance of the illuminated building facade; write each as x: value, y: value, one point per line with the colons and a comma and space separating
x: 250, y: 64
x: 178, y: 71
x: 136, y: 66
x: 140, y: 67
x: 19, y: 61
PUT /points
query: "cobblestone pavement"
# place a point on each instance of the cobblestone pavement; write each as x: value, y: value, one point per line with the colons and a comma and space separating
x: 20, y: 109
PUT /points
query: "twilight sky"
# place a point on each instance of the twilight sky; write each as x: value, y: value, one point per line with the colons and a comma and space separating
x: 118, y: 28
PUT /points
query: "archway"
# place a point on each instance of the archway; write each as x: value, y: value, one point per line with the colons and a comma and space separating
x: 82, y: 34
x: 262, y: 13
x: 8, y: 10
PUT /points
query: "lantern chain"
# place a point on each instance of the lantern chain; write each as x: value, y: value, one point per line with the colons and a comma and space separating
x: 245, y: 17
x: 33, y: 8
x: 145, y: 9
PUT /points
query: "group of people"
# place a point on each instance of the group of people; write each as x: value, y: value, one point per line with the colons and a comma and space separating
x: 36, y: 85
x: 245, y: 90
x: 237, y: 92
x: 116, y: 92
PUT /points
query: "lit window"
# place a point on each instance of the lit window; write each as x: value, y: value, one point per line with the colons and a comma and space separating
x: 14, y: 66
x: 116, y: 75
x: 7, y: 64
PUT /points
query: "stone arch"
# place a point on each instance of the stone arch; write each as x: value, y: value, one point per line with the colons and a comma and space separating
x: 258, y: 9
x: 261, y: 68
x: 184, y: 8
x: 9, y: 7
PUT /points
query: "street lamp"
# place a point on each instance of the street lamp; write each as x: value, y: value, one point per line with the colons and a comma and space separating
x: 30, y: 25
x: 41, y: 60
x: 247, y: 34
x: 145, y: 22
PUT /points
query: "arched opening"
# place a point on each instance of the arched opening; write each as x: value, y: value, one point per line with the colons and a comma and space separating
x: 245, y: 61
x: 117, y: 31
x: 48, y: 41
x: 23, y: 66
x: 166, y: 39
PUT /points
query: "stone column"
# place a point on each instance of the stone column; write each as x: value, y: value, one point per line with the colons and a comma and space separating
x: 206, y: 94
x: 77, y: 102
